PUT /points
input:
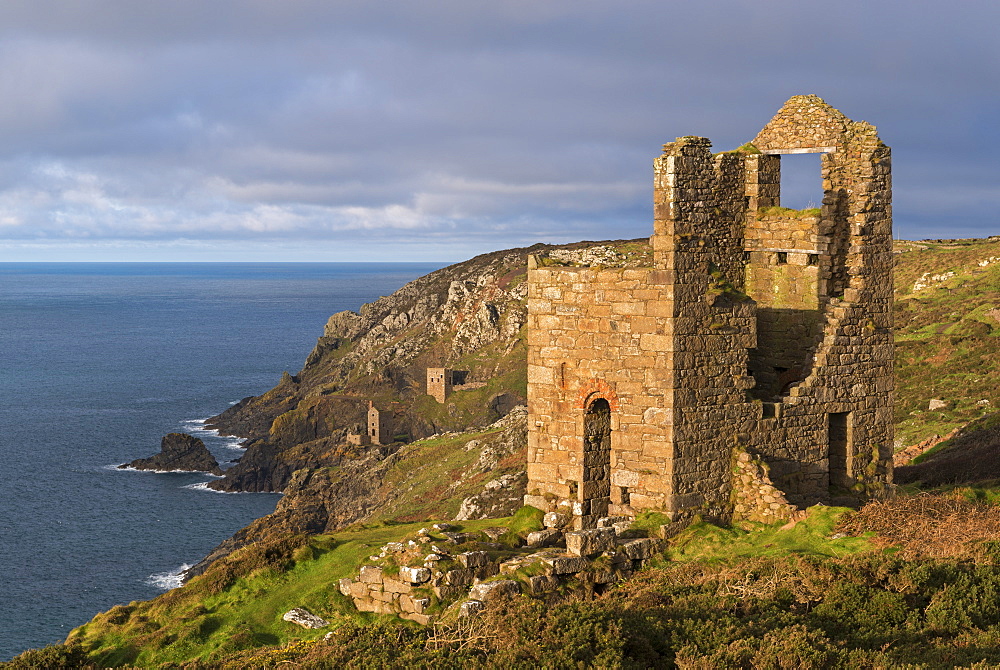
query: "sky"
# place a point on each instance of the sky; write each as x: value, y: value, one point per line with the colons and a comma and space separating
x: 413, y: 130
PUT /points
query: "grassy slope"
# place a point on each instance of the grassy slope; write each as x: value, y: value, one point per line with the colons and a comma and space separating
x: 947, y: 336
x: 203, y: 621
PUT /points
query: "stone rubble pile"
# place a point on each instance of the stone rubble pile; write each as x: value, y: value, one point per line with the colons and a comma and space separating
x: 452, y: 572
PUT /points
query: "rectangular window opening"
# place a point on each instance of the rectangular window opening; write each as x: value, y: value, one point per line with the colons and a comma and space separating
x: 801, y: 181
x: 781, y: 258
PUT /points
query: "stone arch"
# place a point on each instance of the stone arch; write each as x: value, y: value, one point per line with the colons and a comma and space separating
x: 595, y: 488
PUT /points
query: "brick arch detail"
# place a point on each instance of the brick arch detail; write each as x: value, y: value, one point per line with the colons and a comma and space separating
x: 596, y: 388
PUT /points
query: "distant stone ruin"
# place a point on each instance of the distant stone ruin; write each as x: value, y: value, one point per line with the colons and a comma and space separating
x: 442, y: 382
x: 439, y: 383
x: 749, y: 371
x: 377, y: 431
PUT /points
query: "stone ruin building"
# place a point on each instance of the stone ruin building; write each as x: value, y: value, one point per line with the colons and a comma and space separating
x: 439, y: 383
x: 378, y: 429
x: 749, y: 371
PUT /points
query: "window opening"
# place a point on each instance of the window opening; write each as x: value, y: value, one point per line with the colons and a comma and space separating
x: 801, y: 181
x: 839, y: 437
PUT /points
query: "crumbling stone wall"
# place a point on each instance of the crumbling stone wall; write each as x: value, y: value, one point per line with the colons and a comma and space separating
x: 756, y: 329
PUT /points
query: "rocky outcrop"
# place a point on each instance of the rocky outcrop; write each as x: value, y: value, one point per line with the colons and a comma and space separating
x: 178, y: 452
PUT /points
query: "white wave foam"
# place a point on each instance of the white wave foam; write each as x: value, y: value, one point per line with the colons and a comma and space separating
x: 234, y: 443
x: 198, y: 426
x: 161, y: 472
x: 168, y: 580
x: 203, y: 486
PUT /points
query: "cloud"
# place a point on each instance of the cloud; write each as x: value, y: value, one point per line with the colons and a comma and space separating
x: 450, y: 121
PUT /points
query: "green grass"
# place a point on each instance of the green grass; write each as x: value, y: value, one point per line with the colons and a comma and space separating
x: 195, y: 622
x: 811, y: 536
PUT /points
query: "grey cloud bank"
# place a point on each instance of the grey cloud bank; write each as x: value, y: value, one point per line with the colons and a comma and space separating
x: 295, y: 130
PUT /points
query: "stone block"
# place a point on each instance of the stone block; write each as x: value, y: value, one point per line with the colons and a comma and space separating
x: 448, y: 592
x: 358, y: 590
x: 371, y: 574
x: 555, y: 520
x: 544, y: 538
x: 487, y: 591
x: 542, y: 583
x: 473, y: 559
x: 565, y: 565
x: 590, y: 542
x: 613, y: 521
x: 304, y: 618
x: 395, y: 586
x: 458, y: 577
x: 364, y: 604
x: 415, y: 575
x: 345, y: 586
x: 641, y: 548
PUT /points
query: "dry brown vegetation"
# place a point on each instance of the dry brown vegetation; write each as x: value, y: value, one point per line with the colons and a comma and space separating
x: 929, y: 525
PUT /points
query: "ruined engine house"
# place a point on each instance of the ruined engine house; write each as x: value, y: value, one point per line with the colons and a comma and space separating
x: 749, y: 371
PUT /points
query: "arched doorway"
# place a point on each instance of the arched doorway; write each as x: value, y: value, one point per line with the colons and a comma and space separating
x: 596, y: 489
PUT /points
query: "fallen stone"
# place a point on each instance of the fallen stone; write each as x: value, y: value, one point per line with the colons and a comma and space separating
x: 471, y: 608
x: 641, y: 548
x: 542, y: 583
x: 486, y: 591
x: 590, y: 542
x: 443, y: 527
x: 555, y: 520
x: 937, y: 403
x: 345, y: 585
x: 544, y: 538
x: 371, y: 574
x: 564, y: 565
x: 304, y: 618
x: 473, y: 559
x: 415, y: 575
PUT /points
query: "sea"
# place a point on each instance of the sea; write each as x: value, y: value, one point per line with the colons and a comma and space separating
x: 97, y: 362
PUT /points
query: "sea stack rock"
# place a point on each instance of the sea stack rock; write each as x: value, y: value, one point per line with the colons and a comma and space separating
x: 179, y: 451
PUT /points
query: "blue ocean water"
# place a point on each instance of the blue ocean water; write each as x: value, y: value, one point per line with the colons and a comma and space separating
x: 98, y: 362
